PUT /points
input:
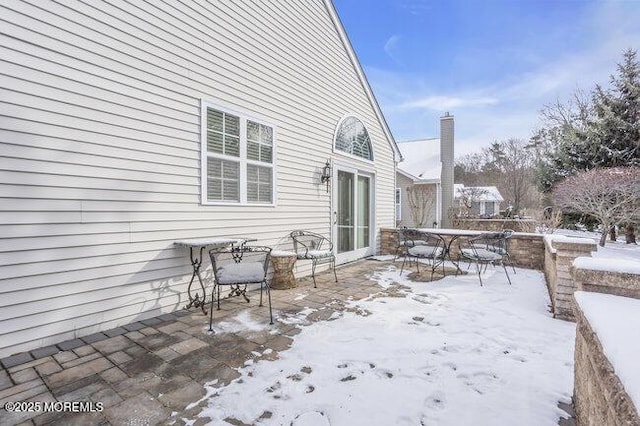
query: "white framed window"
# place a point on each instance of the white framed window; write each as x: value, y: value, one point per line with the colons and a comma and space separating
x: 398, y: 204
x: 238, y: 154
x: 352, y: 138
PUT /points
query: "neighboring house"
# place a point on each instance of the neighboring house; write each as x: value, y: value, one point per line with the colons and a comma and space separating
x: 480, y: 201
x: 126, y: 127
x: 424, y: 178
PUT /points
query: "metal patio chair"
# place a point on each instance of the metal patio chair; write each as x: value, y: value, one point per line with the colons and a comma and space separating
x: 311, y: 246
x: 485, y: 249
x: 237, y: 267
x: 423, y: 245
x: 404, y: 243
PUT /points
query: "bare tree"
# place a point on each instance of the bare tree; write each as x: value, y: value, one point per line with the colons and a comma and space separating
x: 509, y: 165
x: 611, y: 196
x: 467, y: 196
x: 548, y: 220
x: 422, y: 200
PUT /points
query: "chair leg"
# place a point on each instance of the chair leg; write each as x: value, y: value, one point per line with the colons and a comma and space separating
x: 333, y: 262
x: 218, y: 297
x: 506, y: 273
x: 269, y: 298
x: 211, y: 310
x: 260, y: 304
x: 479, y: 269
x: 313, y: 273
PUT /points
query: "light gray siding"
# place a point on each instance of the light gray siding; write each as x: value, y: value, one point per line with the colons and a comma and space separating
x: 100, y: 147
x: 404, y: 183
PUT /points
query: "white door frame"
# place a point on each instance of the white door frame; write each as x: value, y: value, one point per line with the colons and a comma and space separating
x: 370, y: 249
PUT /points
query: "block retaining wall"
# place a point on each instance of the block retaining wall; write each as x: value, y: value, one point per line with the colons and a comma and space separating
x: 526, y: 250
x: 599, y: 397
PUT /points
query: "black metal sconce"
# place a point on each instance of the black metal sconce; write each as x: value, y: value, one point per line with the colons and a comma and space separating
x: 326, y: 174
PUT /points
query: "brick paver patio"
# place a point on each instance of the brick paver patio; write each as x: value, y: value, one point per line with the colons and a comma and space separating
x: 149, y: 372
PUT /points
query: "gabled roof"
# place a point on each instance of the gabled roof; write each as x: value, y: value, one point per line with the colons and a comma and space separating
x: 421, y: 159
x: 483, y: 193
x: 363, y: 78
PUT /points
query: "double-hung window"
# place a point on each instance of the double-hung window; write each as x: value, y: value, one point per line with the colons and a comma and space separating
x: 238, y: 158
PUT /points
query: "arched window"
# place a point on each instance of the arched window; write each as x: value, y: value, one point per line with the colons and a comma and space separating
x: 352, y: 137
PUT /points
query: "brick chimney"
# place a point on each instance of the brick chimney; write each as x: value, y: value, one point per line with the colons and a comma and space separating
x: 447, y: 160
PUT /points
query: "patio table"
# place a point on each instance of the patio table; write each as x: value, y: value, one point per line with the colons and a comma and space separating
x: 449, y: 236
x: 196, y: 263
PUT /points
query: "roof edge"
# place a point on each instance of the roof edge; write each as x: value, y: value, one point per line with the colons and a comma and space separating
x: 337, y: 23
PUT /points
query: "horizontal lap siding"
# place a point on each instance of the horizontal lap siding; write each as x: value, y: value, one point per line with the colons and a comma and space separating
x: 100, y: 147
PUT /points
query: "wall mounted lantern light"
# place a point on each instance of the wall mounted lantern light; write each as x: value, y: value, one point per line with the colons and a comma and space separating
x: 326, y: 174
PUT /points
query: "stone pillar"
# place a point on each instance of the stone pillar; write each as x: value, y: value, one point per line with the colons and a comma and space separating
x: 388, y: 241
x: 446, y: 178
x: 567, y: 250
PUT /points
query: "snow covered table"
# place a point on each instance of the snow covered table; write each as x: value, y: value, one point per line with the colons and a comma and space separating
x: 283, y: 262
x: 196, y: 263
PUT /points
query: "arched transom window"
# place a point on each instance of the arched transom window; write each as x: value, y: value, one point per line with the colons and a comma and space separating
x: 352, y: 137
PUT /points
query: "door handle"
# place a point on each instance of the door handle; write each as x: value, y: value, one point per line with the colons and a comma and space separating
x: 335, y: 217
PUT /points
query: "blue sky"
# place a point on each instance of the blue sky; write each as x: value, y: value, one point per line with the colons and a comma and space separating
x: 493, y: 64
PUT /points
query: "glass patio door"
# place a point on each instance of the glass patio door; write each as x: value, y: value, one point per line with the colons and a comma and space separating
x: 352, y: 211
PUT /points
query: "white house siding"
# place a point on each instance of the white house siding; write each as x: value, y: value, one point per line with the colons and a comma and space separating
x: 100, y: 147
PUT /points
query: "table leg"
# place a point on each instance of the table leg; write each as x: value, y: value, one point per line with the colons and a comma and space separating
x: 195, y: 301
x: 455, y: 263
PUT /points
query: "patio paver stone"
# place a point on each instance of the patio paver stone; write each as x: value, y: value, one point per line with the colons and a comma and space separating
x: 146, y: 371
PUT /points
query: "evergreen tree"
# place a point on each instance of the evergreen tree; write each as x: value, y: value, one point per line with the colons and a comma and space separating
x: 602, y: 131
x: 617, y: 111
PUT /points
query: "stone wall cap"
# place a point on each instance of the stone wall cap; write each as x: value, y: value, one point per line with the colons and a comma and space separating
x: 621, y: 266
x: 616, y: 322
x: 563, y: 241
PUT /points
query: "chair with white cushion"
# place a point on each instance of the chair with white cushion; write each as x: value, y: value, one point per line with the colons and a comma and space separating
x: 485, y: 249
x: 404, y: 243
x: 238, y: 267
x: 311, y: 246
x: 423, y: 245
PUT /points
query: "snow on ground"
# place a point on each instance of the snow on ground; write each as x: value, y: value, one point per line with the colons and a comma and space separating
x: 447, y: 353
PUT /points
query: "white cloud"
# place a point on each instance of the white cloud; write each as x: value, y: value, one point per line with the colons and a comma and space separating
x: 391, y: 47
x: 439, y: 103
x: 509, y: 105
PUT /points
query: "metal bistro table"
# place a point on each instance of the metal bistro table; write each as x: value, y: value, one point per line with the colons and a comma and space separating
x: 449, y: 236
x: 196, y: 263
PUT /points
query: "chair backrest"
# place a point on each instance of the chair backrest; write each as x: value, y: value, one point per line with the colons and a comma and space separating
x: 305, y: 241
x: 400, y: 231
x: 240, y: 265
x: 495, y: 242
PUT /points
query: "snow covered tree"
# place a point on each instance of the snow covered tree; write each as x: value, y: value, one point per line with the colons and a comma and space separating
x: 610, y: 195
x: 586, y: 133
x: 602, y: 130
x: 617, y: 117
